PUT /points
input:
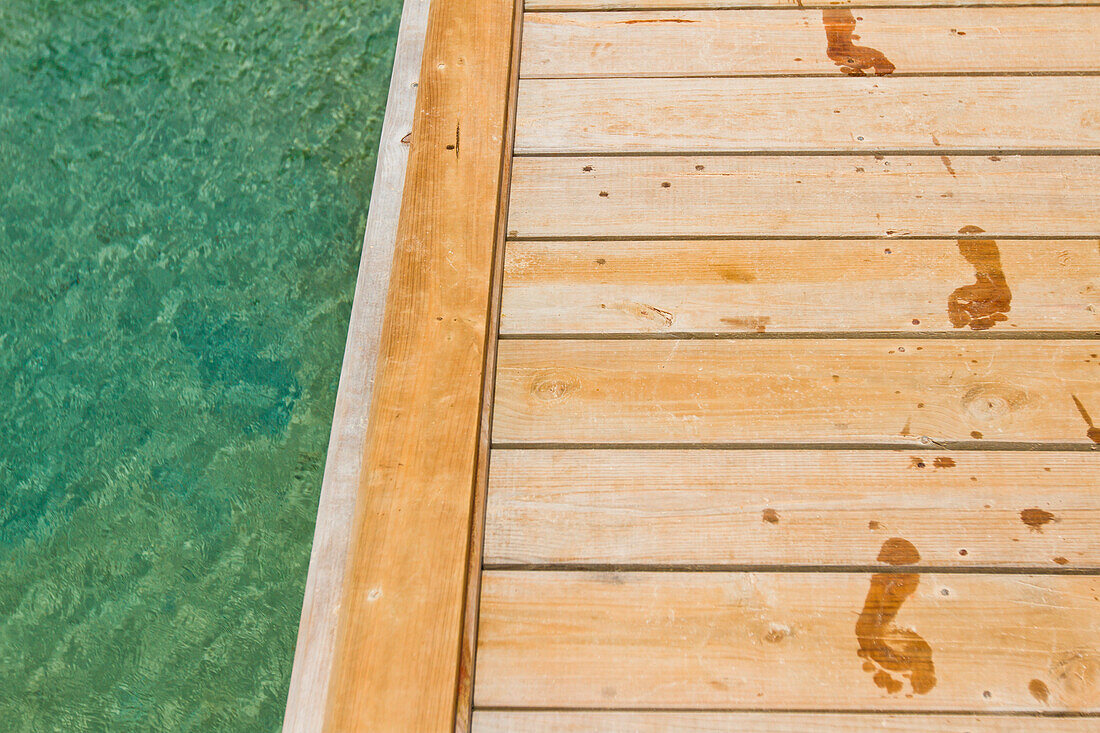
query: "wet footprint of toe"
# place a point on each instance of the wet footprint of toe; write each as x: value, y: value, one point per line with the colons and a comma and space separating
x: 889, y: 651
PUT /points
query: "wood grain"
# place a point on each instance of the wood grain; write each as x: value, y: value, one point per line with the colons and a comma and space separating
x: 799, y: 508
x: 798, y: 196
x: 562, y: 721
x: 787, y: 286
x: 307, y: 697
x: 892, y: 391
x: 791, y: 41
x: 397, y: 657
x: 783, y: 641
x: 862, y: 114
x: 468, y: 650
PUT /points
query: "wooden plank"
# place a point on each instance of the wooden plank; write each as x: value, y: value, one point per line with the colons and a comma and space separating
x: 397, y: 661
x: 307, y: 697
x: 665, y: 6
x: 559, y: 721
x: 738, y: 508
x: 791, y: 286
x: 892, y: 391
x: 862, y: 114
x: 790, y: 640
x: 468, y: 650
x: 797, y: 196
x: 767, y: 42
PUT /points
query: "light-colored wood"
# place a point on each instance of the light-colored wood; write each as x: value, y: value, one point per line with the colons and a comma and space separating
x: 762, y: 42
x: 787, y: 640
x: 804, y: 508
x: 788, y: 286
x: 798, y: 508
x: 504, y: 721
x: 397, y: 657
x: 863, y: 114
x: 662, y: 8
x: 891, y: 391
x: 764, y: 195
x: 324, y: 593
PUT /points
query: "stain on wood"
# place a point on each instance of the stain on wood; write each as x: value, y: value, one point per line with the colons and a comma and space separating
x: 1036, y: 518
x: 892, y: 651
x: 1093, y: 432
x: 984, y: 303
x: 853, y: 60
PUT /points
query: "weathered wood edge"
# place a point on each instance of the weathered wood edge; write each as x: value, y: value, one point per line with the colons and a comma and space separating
x: 398, y: 651
x: 313, y: 655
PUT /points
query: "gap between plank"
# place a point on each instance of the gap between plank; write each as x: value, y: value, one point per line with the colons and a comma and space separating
x: 1091, y: 570
x: 805, y: 6
x: 785, y: 237
x: 822, y: 153
x: 797, y: 335
x: 926, y: 444
x: 804, y: 711
x: 821, y: 75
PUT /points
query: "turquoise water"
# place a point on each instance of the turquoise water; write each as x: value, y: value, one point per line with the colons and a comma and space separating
x: 183, y: 189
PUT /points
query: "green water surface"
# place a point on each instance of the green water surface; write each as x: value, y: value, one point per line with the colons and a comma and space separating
x: 183, y: 188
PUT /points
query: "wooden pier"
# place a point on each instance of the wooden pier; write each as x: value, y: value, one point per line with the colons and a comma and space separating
x: 740, y: 372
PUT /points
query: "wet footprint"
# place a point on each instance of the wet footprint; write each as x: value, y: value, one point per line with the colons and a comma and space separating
x: 852, y: 60
x: 983, y: 304
x: 891, y: 651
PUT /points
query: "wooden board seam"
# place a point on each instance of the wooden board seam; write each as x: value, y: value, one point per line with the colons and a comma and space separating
x: 627, y: 7
x: 787, y: 711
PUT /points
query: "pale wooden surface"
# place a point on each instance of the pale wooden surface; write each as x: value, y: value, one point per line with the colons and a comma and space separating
x: 494, y: 721
x: 942, y: 114
x: 857, y: 195
x: 792, y: 41
x: 798, y: 508
x: 660, y: 8
x: 781, y: 640
x: 324, y: 593
x: 787, y: 286
x: 397, y: 659
x: 891, y: 391
x: 788, y: 355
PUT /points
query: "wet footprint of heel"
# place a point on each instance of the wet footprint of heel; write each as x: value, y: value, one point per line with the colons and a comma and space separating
x: 983, y: 304
x: 853, y: 60
x: 889, y: 651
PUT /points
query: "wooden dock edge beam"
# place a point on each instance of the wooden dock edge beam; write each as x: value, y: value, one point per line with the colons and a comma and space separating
x: 309, y: 678
x: 397, y: 656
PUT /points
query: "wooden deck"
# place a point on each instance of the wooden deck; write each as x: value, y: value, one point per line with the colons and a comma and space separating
x: 787, y: 415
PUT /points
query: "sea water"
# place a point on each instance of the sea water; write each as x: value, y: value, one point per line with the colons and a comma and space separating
x: 183, y: 189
